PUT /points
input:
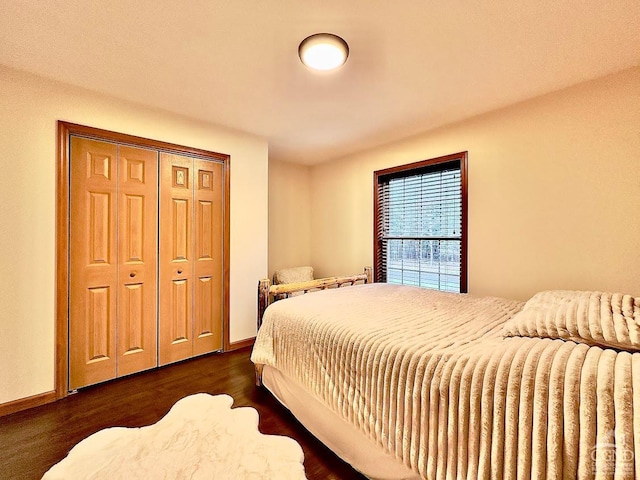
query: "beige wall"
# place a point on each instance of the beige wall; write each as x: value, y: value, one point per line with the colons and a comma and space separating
x: 289, y: 215
x: 29, y: 110
x: 554, y: 193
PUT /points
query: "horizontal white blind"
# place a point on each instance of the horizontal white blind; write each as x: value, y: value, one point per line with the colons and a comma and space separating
x: 420, y: 228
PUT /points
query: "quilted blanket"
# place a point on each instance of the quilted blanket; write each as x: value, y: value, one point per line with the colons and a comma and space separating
x: 430, y: 377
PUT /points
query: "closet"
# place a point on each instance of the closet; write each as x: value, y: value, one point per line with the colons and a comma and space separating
x: 190, y: 263
x: 146, y: 258
x: 113, y: 235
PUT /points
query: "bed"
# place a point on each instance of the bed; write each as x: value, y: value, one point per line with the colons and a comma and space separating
x: 403, y: 382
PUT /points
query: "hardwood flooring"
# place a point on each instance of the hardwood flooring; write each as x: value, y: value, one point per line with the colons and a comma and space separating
x: 33, y: 440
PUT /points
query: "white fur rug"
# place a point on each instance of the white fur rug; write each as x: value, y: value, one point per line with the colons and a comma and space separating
x: 201, y: 437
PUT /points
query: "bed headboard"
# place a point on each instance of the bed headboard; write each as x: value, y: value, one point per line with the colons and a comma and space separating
x: 268, y: 293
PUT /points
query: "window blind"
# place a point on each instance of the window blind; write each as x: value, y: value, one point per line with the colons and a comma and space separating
x: 419, y: 227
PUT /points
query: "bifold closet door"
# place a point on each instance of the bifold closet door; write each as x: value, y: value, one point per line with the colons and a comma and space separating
x: 176, y: 255
x: 112, y: 265
x: 208, y: 268
x: 137, y: 318
x: 93, y: 265
x: 191, y: 268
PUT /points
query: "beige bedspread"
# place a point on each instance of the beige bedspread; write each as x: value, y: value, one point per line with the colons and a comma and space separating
x: 430, y: 378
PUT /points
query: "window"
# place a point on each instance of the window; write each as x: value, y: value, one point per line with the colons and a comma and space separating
x: 420, y: 224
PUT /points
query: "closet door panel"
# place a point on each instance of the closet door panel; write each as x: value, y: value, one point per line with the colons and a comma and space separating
x: 137, y: 259
x: 180, y: 320
x: 208, y: 265
x: 176, y: 262
x: 93, y: 262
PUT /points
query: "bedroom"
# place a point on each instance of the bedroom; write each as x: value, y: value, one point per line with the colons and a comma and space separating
x: 553, y: 183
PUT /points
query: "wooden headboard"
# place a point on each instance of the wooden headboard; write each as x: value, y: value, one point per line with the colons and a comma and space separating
x: 267, y: 293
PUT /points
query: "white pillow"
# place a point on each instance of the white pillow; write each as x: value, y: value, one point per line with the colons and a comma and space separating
x: 293, y: 275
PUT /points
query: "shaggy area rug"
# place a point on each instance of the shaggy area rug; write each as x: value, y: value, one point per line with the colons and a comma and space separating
x: 201, y: 437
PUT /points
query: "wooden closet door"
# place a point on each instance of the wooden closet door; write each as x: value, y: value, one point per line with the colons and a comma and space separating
x: 208, y: 268
x: 93, y: 262
x: 176, y: 261
x: 137, y: 320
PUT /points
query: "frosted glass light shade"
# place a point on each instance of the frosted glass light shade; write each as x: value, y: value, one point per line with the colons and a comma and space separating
x: 323, y: 51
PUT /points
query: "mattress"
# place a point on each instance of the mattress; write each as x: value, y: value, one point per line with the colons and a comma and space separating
x: 429, y: 378
x: 341, y: 437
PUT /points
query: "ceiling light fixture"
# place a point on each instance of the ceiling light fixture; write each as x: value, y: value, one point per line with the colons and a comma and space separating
x: 323, y: 51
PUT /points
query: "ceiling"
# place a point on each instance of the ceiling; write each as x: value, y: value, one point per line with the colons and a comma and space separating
x: 413, y: 65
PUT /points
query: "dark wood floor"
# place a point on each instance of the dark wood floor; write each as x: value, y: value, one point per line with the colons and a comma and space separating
x: 33, y: 440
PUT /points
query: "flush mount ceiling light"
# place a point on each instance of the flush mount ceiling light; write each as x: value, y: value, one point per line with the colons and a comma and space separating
x: 323, y: 51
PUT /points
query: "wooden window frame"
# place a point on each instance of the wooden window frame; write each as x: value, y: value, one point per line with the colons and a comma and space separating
x: 406, y: 170
x: 65, y: 131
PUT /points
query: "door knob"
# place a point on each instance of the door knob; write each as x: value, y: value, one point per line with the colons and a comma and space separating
x: 179, y: 272
x: 132, y: 274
